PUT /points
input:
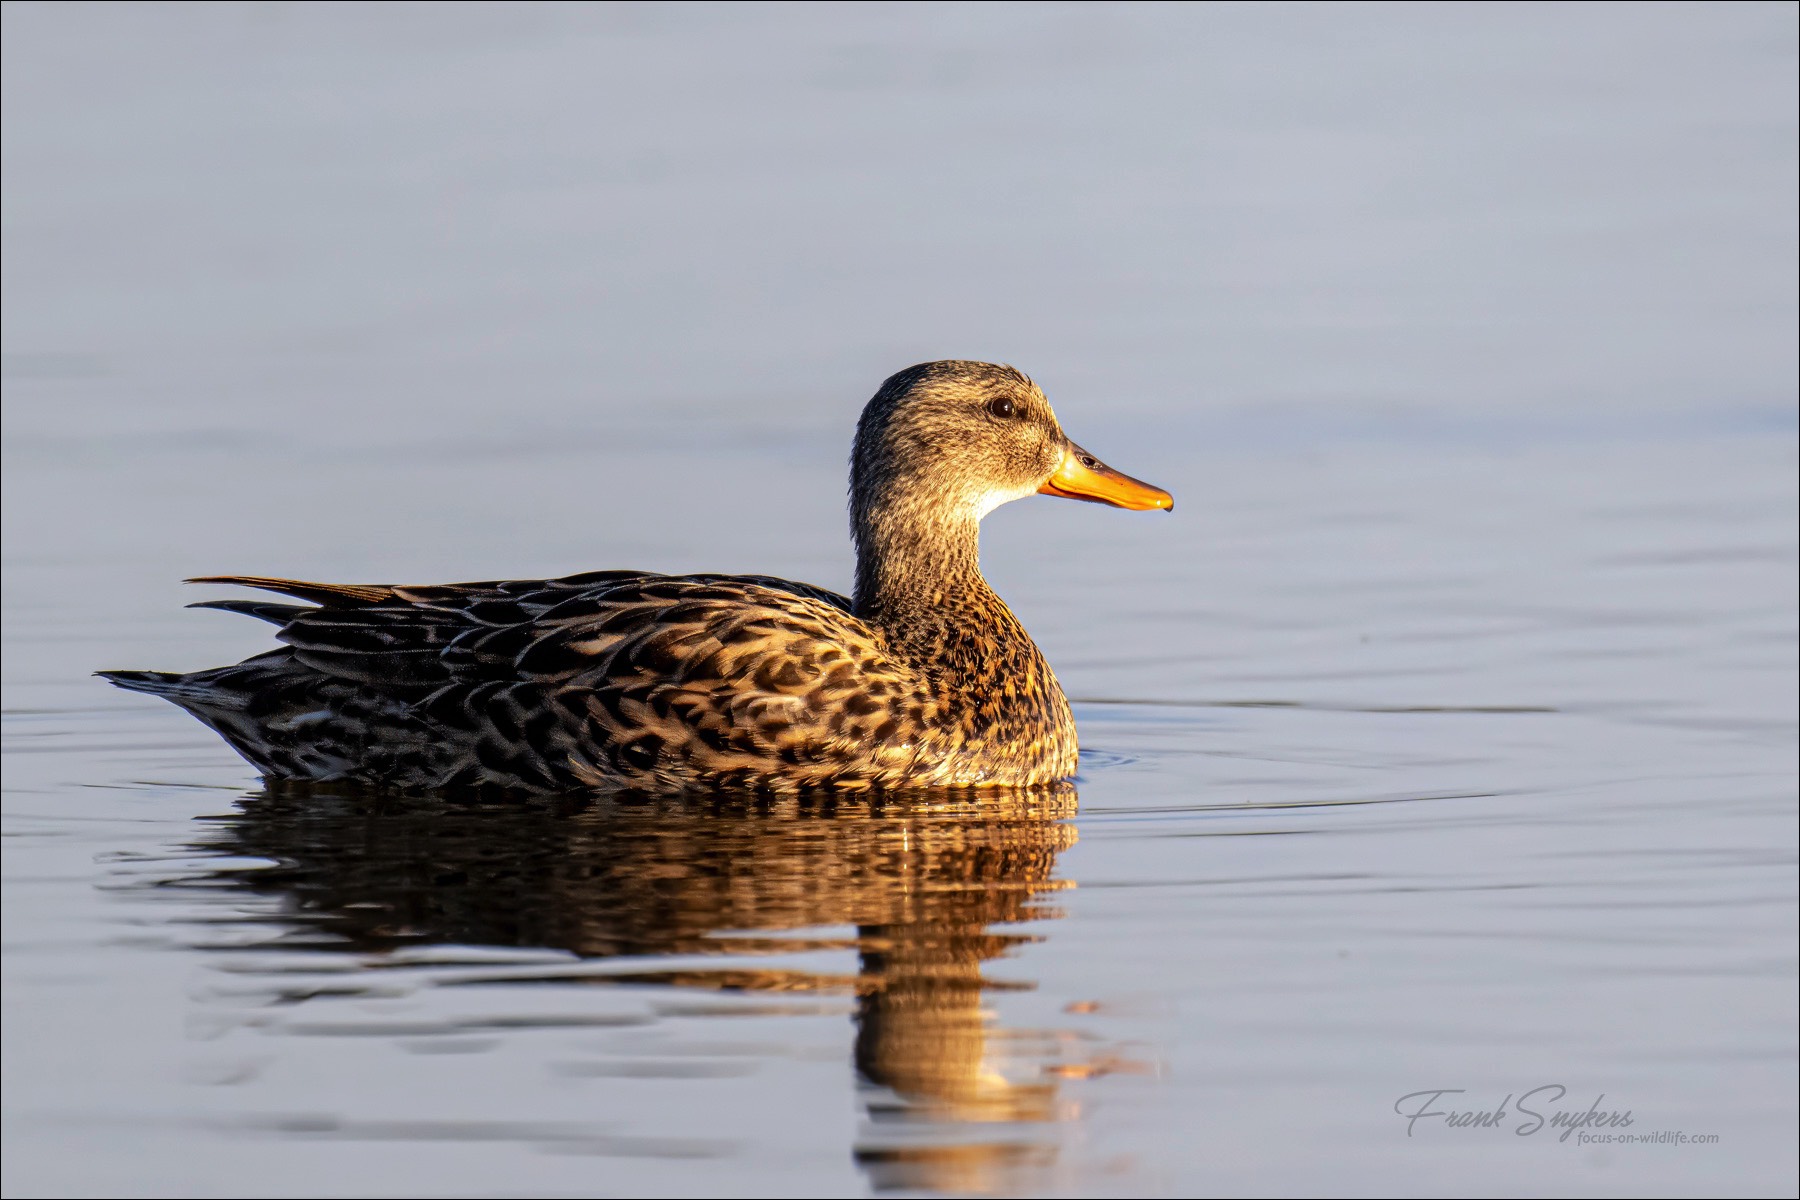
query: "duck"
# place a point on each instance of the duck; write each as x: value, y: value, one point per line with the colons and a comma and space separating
x: 642, y: 682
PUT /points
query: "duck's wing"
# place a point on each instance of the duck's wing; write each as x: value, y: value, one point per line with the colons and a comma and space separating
x: 718, y: 680
x: 407, y: 635
x: 621, y: 677
x: 399, y: 636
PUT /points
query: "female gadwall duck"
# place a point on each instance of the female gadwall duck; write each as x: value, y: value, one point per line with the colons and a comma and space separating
x: 636, y: 680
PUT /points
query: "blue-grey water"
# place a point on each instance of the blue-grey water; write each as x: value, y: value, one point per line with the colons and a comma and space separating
x: 1443, y: 740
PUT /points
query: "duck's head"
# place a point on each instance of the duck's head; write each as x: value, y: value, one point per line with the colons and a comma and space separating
x: 951, y: 441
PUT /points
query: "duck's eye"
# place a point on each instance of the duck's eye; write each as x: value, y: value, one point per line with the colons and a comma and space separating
x: 1001, y: 406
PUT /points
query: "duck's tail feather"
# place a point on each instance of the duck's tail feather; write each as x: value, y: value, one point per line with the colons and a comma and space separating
x: 332, y: 595
x: 187, y: 691
x: 264, y: 610
x: 222, y: 690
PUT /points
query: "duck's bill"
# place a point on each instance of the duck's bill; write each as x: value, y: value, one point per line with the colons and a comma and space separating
x: 1081, y: 476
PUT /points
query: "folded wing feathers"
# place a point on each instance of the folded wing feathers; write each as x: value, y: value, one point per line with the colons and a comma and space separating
x: 610, y: 626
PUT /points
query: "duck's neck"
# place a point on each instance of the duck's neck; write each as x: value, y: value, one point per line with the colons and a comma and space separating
x: 919, y: 587
x: 918, y: 568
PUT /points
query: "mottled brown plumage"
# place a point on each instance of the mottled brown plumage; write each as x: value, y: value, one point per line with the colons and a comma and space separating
x: 631, y: 679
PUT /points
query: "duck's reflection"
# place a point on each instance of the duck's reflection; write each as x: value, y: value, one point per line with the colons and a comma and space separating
x: 924, y: 881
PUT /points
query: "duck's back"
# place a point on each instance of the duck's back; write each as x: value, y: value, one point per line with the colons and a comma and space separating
x: 606, y: 679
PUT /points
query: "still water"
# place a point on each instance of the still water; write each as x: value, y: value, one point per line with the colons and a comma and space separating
x: 1444, y: 737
